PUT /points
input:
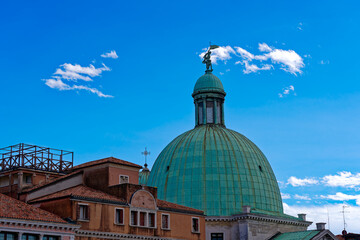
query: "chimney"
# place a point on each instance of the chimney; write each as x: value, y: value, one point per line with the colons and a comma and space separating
x: 246, y: 209
x: 302, y: 216
x: 320, y: 226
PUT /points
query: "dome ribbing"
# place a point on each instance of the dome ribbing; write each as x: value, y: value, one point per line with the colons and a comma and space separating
x: 217, y: 170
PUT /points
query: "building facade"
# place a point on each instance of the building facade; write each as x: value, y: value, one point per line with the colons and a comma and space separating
x: 21, y: 221
x: 104, y: 198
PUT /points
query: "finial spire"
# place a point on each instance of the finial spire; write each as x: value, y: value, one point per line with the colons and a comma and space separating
x: 207, y: 57
x: 145, y: 153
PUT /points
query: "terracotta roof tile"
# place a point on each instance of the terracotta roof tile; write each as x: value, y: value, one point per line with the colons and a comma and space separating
x: 106, y: 160
x: 80, y: 191
x: 13, y: 208
x: 168, y: 205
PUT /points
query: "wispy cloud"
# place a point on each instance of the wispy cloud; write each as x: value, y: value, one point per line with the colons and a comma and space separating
x: 111, y: 54
x: 57, y: 83
x: 287, y: 90
x: 327, y: 212
x: 339, y: 196
x: 288, y: 60
x: 300, y: 26
x: 67, y: 73
x: 298, y: 182
x: 302, y: 197
x: 285, y: 196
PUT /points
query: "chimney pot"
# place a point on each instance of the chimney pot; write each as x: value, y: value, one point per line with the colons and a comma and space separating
x: 302, y: 216
x: 320, y: 226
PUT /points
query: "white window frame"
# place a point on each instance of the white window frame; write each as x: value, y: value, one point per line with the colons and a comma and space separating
x: 154, y: 219
x: 146, y: 211
x: 123, y: 213
x: 128, y: 179
x: 192, y: 229
x: 146, y: 224
x: 137, y: 218
x: 168, y: 221
x: 82, y: 219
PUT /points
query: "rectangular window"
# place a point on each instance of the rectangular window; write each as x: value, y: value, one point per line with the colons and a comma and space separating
x: 165, y: 221
x: 151, y: 219
x: 134, y: 218
x: 50, y: 238
x: 200, y: 113
x: 218, y: 112
x: 119, y: 216
x: 83, y: 212
x: 28, y: 237
x: 209, y: 111
x: 7, y: 236
x: 27, y: 179
x: 195, y: 225
x: 142, y: 219
x: 123, y: 179
x: 217, y: 236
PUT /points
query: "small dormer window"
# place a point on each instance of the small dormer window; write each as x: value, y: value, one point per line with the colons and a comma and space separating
x: 123, y: 179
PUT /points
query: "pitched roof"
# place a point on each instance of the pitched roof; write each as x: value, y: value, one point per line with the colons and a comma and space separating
x: 15, y: 209
x: 50, y: 182
x: 302, y: 235
x: 106, y: 160
x: 81, y: 192
x: 164, y: 205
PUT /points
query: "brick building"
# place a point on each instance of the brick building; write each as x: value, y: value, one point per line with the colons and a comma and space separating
x: 19, y: 220
x: 105, y: 199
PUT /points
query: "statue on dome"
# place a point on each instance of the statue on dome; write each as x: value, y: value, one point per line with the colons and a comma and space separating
x: 207, y: 57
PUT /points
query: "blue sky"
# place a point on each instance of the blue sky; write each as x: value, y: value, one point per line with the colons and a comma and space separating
x: 310, y: 134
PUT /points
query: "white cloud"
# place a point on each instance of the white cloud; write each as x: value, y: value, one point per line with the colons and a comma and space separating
x: 300, y: 25
x: 287, y: 91
x: 73, y: 73
x: 301, y: 197
x: 249, y: 68
x: 291, y: 61
x: 297, y: 182
x: 263, y: 47
x: 323, y: 62
x: 111, y: 54
x: 339, y: 196
x: 343, y: 179
x: 221, y: 53
x: 285, y: 196
x: 317, y: 214
x: 56, y: 83
x: 244, y: 54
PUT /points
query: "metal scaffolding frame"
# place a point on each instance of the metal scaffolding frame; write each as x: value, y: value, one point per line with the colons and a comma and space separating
x: 35, y: 157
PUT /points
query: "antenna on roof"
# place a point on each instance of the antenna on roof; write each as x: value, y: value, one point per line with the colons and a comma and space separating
x: 343, y: 212
x: 145, y: 153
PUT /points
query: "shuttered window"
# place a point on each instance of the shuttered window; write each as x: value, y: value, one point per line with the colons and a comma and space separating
x: 119, y: 216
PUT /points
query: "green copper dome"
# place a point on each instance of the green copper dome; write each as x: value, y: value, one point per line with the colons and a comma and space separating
x: 144, y: 175
x: 208, y: 83
x: 217, y: 170
x: 213, y: 168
